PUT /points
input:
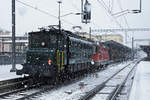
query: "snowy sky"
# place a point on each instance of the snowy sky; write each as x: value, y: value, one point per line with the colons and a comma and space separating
x: 28, y: 19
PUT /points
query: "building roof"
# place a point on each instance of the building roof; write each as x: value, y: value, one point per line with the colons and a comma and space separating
x: 111, y: 35
x: 114, y: 44
x: 17, y: 41
x: 10, y: 36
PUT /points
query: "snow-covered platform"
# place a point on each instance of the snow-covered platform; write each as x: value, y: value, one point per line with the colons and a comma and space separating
x: 141, y: 84
x: 5, y: 73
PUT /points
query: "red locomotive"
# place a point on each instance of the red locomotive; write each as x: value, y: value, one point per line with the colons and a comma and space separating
x: 109, y: 52
x: 101, y: 56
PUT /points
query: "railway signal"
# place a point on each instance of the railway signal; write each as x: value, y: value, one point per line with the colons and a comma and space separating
x: 85, y: 12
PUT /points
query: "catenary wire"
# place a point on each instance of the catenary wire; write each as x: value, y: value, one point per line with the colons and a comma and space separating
x: 44, y: 12
x: 109, y: 14
x: 75, y: 7
x: 125, y: 19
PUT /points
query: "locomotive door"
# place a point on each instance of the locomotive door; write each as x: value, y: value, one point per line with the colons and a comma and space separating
x: 60, y: 54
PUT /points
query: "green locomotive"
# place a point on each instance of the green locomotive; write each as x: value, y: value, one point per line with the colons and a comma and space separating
x: 51, y: 52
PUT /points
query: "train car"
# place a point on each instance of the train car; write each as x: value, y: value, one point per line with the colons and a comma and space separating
x: 110, y: 52
x: 101, y: 56
x: 51, y: 53
x: 146, y: 49
x: 118, y: 52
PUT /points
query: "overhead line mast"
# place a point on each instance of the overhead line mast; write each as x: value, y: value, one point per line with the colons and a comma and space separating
x: 13, y: 69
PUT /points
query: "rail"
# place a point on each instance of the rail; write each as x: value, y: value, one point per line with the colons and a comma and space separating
x: 17, y: 85
x: 119, y: 87
x: 98, y: 88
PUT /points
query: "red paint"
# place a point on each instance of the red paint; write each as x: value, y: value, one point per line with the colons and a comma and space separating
x: 101, y: 55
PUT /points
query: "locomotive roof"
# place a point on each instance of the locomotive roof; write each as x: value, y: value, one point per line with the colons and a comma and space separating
x: 63, y: 32
x: 80, y: 40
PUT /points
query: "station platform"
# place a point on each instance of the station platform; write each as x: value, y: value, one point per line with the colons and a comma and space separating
x: 5, y: 73
x: 141, y: 84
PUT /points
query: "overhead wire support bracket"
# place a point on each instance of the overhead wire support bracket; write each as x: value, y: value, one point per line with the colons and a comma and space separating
x: 120, y: 30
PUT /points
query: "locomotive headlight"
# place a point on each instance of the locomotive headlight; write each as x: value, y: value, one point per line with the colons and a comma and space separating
x: 92, y: 62
x: 43, y: 43
x: 49, y: 61
x: 19, y: 67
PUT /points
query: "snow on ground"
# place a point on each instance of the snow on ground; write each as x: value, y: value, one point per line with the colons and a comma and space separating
x: 141, y: 84
x: 126, y: 89
x: 73, y: 91
x: 118, y: 79
x: 140, y: 54
x: 5, y: 73
x: 140, y: 89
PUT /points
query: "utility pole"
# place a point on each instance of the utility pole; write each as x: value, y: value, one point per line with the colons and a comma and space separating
x: 140, y: 6
x: 132, y: 48
x: 90, y: 33
x: 125, y: 37
x: 59, y: 16
x: 81, y: 11
x: 59, y: 21
x: 13, y: 38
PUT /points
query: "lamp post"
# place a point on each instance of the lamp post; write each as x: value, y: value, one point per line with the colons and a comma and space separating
x: 140, y: 5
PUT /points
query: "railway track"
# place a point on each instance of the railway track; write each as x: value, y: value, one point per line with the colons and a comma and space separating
x: 26, y: 88
x: 33, y: 92
x: 48, y: 89
x: 23, y: 92
x: 114, y: 94
x: 6, y: 85
x: 9, y: 87
x: 36, y: 93
x: 112, y: 87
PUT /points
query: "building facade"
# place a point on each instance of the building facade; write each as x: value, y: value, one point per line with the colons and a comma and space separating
x: 2, y: 39
x: 115, y: 37
x: 6, y: 42
x: 102, y: 38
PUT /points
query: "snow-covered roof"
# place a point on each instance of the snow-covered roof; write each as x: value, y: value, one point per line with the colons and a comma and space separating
x: 10, y: 36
